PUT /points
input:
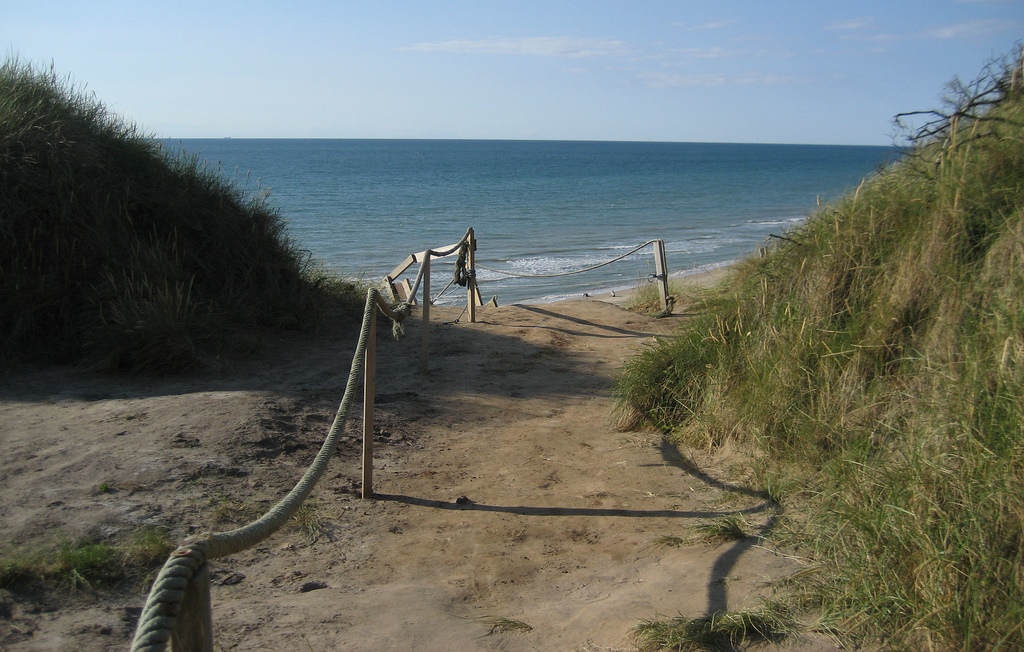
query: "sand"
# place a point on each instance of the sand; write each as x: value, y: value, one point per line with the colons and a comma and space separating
x: 505, y: 491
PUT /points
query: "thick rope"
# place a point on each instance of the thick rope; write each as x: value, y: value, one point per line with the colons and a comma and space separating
x: 158, y: 616
x: 461, y: 245
x: 578, y: 271
x: 461, y: 275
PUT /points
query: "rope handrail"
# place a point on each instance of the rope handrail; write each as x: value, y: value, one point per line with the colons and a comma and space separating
x: 158, y: 617
x: 459, y: 246
x: 578, y: 271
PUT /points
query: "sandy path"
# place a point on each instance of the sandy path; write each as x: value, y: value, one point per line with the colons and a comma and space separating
x: 504, y: 492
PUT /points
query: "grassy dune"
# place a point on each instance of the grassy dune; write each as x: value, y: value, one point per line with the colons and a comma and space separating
x: 874, y: 361
x: 116, y: 253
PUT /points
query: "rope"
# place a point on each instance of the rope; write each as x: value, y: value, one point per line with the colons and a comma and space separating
x: 578, y: 271
x: 462, y: 245
x: 159, y: 615
x: 461, y: 275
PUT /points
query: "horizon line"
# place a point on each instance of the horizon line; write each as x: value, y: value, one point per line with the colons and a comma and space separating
x: 892, y: 145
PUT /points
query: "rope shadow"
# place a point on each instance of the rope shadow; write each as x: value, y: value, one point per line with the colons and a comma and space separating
x: 673, y: 457
x: 718, y: 579
x: 525, y: 510
x: 583, y: 322
x: 718, y: 590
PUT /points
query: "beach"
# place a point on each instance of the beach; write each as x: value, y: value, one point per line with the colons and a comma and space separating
x: 511, y: 512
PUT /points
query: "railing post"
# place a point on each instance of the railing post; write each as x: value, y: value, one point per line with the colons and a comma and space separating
x: 369, y: 394
x: 661, y: 272
x: 425, y: 270
x: 193, y: 628
x: 471, y: 291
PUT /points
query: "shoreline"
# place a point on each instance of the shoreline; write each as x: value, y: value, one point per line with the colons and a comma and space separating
x: 698, y: 277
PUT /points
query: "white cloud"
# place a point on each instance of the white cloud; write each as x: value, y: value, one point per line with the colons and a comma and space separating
x: 711, y: 53
x: 851, y: 24
x: 711, y: 25
x: 542, y: 46
x: 971, y: 29
x: 732, y: 53
x: 720, y: 24
x: 673, y: 80
x: 858, y: 31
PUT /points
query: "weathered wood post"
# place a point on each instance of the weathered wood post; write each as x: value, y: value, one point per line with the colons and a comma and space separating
x: 369, y: 394
x: 661, y: 272
x: 425, y: 270
x: 193, y: 628
x: 471, y: 292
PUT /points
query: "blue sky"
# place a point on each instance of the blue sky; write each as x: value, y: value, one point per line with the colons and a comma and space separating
x: 784, y: 71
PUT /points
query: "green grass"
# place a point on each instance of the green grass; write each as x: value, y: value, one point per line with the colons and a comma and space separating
x: 646, y: 297
x: 732, y: 527
x: 87, y: 564
x: 719, y: 631
x: 669, y: 541
x: 310, y: 520
x: 873, y: 362
x: 502, y: 625
x: 120, y: 254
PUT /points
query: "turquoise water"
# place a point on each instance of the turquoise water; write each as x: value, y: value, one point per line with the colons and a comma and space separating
x: 537, y: 207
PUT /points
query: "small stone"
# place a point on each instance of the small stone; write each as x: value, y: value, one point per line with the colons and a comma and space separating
x: 312, y: 586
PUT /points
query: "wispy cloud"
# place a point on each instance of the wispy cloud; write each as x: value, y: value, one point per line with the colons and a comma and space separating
x: 540, y: 46
x: 970, y: 29
x: 673, y: 80
x: 710, y: 53
x: 852, y: 24
x: 711, y: 25
x: 718, y: 52
x: 862, y: 30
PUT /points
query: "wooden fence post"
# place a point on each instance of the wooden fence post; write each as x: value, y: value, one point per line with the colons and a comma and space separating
x: 471, y: 292
x: 661, y: 272
x: 425, y: 270
x: 369, y: 395
x: 193, y: 628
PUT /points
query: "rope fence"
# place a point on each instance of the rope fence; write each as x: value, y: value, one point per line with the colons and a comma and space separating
x: 168, y: 617
x: 576, y: 271
x: 178, y: 609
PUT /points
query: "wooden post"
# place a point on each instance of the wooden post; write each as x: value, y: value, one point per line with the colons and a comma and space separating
x: 661, y: 272
x: 193, y: 628
x: 425, y: 271
x: 471, y: 291
x: 369, y: 394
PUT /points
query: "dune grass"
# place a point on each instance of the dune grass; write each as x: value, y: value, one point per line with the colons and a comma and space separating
x: 720, y: 631
x: 87, y: 563
x: 119, y: 253
x: 874, y: 359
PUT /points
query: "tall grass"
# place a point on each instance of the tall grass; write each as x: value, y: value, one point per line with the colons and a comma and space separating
x: 115, y: 251
x: 875, y: 359
x: 87, y: 563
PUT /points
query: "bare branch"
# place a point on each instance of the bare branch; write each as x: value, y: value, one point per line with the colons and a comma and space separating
x: 965, y: 103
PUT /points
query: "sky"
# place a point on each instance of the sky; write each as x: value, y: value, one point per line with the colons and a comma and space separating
x: 751, y: 71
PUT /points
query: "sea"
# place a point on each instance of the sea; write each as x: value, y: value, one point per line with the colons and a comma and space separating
x: 538, y: 208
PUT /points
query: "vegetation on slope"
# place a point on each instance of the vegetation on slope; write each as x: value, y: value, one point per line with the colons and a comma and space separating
x: 875, y: 360
x: 114, y: 252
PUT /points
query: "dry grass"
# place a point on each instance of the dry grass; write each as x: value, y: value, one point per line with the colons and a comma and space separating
x: 874, y: 360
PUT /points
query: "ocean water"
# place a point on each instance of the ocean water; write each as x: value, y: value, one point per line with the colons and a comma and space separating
x: 537, y: 207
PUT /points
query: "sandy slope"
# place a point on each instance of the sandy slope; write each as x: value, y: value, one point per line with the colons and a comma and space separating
x: 504, y: 492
